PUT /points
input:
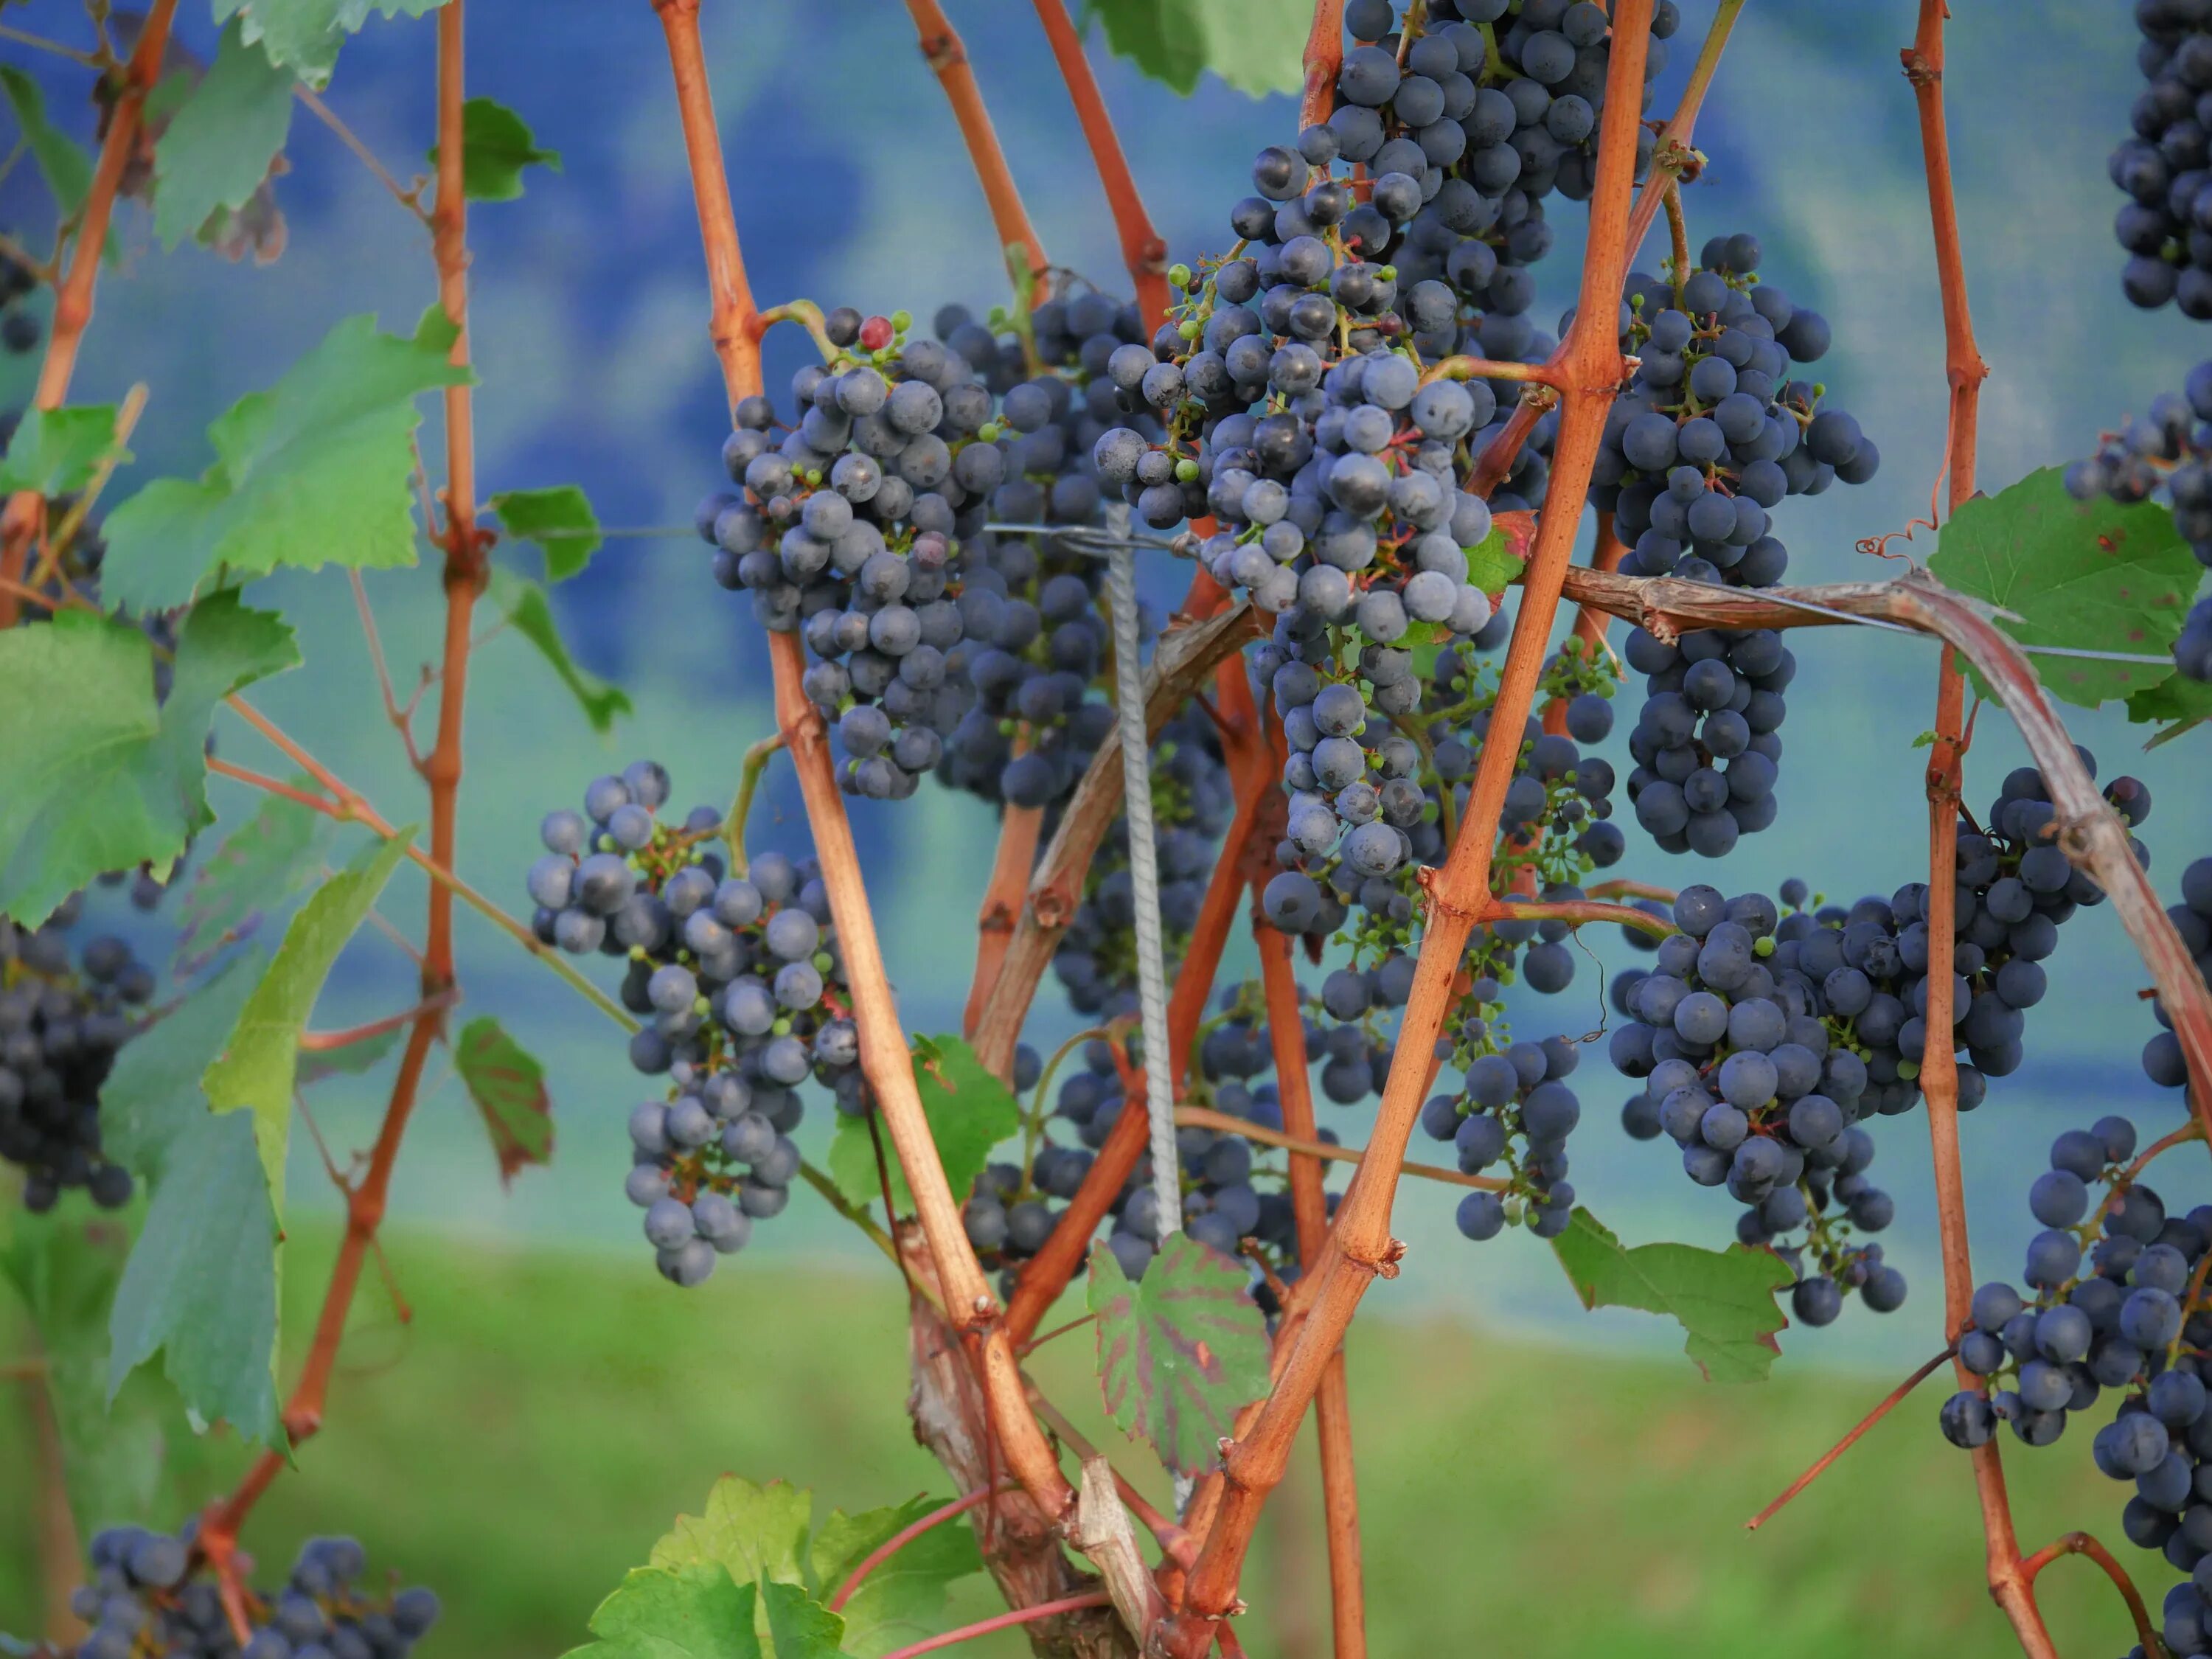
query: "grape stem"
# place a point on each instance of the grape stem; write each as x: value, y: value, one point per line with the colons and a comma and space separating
x: 26, y: 509
x: 1324, y: 57
x: 973, y: 1312
x: 1307, y: 1146
x: 947, y: 57
x: 1143, y: 250
x: 1820, y: 1465
x: 905, y: 1535
x: 323, y: 1043
x: 464, y: 574
x: 410, y: 199
x: 1003, y: 1621
x: 1339, y: 1481
x: 1578, y: 913
x: 2081, y: 1543
x: 748, y: 777
x: 1360, y: 1248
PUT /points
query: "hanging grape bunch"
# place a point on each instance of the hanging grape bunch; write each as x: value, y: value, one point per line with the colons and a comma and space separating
x: 66, y: 1006
x: 1708, y: 438
x: 2166, y: 225
x: 739, y: 978
x: 2162, y: 1060
x: 152, y: 1596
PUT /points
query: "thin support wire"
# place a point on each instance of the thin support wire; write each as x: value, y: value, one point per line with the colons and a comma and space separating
x: 1144, y: 871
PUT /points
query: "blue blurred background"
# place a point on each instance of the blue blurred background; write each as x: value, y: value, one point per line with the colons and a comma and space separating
x: 852, y: 188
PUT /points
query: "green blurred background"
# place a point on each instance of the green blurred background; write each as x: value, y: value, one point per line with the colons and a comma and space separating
x: 1535, y: 1478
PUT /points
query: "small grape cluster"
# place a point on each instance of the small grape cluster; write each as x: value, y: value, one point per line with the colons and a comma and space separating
x: 1193, y: 803
x: 2166, y: 225
x: 1760, y: 1092
x: 2169, y: 449
x: 2132, y: 1317
x: 2162, y: 1059
x: 153, y: 1597
x: 19, y: 328
x: 1708, y: 437
x: 1513, y: 1108
x: 66, y: 1007
x: 738, y: 976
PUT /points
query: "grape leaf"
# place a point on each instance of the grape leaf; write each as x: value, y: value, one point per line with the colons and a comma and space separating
x: 216, y: 151
x: 1724, y: 1299
x: 257, y: 869
x: 969, y: 1111
x: 2089, y: 575
x: 496, y: 144
x: 304, y: 35
x: 318, y: 1065
x: 65, y: 1265
x: 560, y: 521
x: 530, y: 615
x: 317, y: 470
x: 754, y: 1531
x: 508, y: 1087
x: 153, y: 1094
x: 1494, y: 563
x: 103, y: 780
x: 1258, y: 46
x: 2176, y: 703
x: 691, y: 1613
x: 1179, y: 1350
x: 200, y: 1288
x: 799, y: 1625
x: 56, y: 451
x: 902, y: 1599
x: 257, y: 1067
x: 62, y: 161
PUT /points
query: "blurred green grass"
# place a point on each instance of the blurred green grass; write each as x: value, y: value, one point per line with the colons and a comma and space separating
x: 527, y: 1437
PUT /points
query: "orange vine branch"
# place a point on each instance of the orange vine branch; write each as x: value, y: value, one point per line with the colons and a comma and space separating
x: 1143, y: 250
x: 73, y: 299
x: 1820, y: 1465
x: 2081, y: 1543
x: 947, y: 57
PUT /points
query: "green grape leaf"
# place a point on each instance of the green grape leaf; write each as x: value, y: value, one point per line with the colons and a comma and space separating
x: 1491, y: 563
x: 258, y: 1068
x: 2087, y: 575
x: 200, y: 1288
x: 902, y: 1599
x: 530, y: 613
x: 320, y: 1065
x: 560, y: 521
x: 153, y: 1094
x: 753, y: 1531
x: 63, y: 162
x: 55, y: 451
x: 799, y: 1625
x: 689, y: 1612
x: 103, y: 778
x: 65, y: 1266
x: 2176, y: 703
x: 217, y: 148
x: 496, y: 144
x: 1258, y: 46
x: 317, y: 470
x: 1179, y: 1351
x: 304, y: 35
x: 508, y: 1087
x: 257, y: 869
x: 969, y: 1111
x: 1723, y: 1300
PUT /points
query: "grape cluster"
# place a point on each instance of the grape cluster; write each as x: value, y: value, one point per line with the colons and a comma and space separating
x: 1515, y: 1108
x: 2169, y: 449
x: 1760, y: 1091
x: 2166, y: 225
x: 1234, y: 1197
x: 1193, y: 803
x: 2162, y: 1060
x: 1707, y: 438
x: 740, y: 980
x: 2115, y: 1299
x: 65, y: 1008
x: 19, y: 328
x: 152, y: 1598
